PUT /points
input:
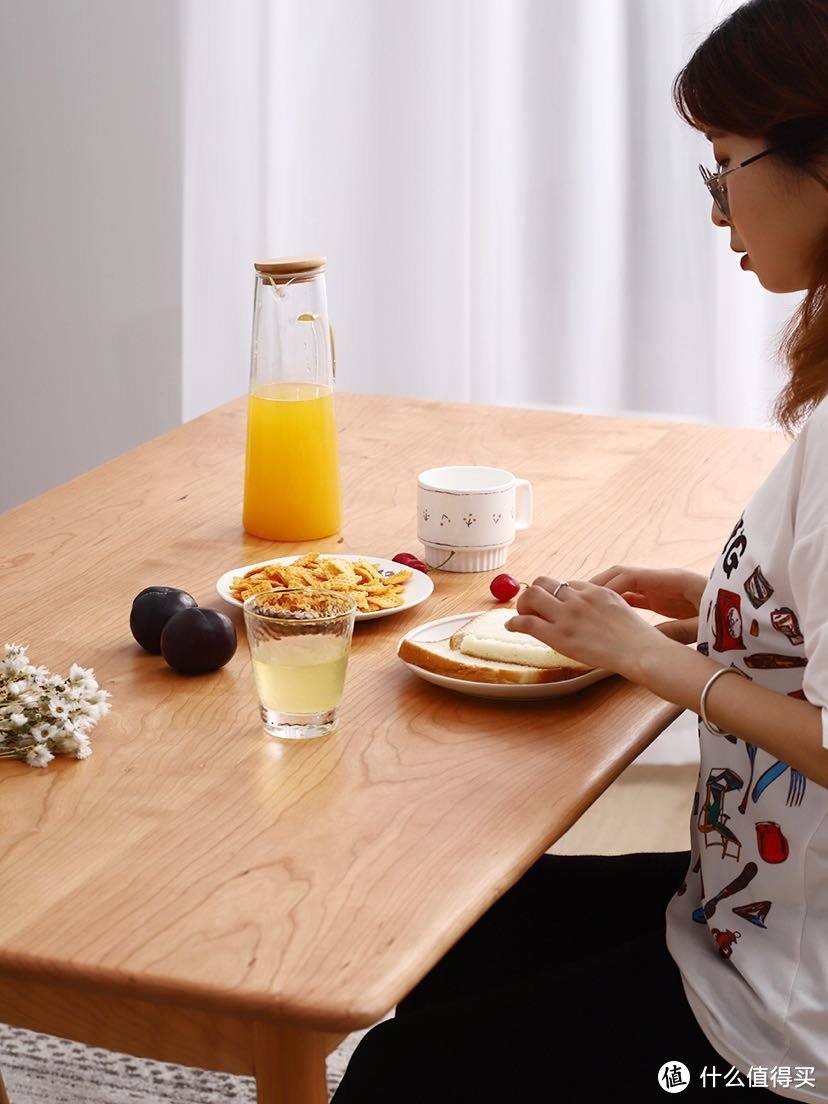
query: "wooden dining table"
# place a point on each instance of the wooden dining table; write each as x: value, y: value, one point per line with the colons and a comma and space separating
x: 199, y: 893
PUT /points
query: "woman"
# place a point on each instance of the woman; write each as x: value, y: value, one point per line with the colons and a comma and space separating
x: 598, y: 973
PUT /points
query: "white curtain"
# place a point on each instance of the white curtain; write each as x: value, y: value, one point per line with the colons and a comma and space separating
x: 510, y: 207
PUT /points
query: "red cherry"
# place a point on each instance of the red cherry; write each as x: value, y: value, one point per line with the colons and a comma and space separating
x: 407, y: 560
x: 504, y: 587
x: 417, y: 565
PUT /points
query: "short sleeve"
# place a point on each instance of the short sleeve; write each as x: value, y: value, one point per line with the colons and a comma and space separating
x: 809, y: 560
x: 809, y: 586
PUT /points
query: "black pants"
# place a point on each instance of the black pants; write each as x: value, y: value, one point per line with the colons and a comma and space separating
x: 563, y: 991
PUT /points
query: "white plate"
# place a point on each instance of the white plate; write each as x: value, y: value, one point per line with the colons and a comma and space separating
x: 446, y: 626
x: 416, y: 590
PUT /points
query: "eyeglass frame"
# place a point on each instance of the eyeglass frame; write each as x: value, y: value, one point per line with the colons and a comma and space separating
x: 713, y: 181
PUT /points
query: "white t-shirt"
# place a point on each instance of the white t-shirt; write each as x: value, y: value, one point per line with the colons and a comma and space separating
x: 749, y: 927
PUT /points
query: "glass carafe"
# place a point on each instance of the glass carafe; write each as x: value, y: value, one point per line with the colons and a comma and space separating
x: 291, y: 482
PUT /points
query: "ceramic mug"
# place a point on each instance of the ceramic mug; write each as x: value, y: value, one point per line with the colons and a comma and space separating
x: 473, y: 512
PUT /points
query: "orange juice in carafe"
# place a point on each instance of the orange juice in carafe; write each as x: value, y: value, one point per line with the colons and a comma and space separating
x: 291, y: 489
x: 291, y: 480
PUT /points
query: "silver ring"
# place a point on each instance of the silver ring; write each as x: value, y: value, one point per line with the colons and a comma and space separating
x: 560, y: 586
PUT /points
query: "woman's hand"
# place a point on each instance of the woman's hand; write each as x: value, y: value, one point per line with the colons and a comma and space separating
x: 587, y: 622
x: 672, y: 593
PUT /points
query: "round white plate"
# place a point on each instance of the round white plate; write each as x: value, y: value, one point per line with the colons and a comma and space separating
x: 416, y: 590
x: 446, y: 626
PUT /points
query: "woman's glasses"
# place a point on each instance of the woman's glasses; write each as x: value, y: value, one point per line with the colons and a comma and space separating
x: 718, y: 190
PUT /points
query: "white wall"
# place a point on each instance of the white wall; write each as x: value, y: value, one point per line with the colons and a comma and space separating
x: 90, y: 210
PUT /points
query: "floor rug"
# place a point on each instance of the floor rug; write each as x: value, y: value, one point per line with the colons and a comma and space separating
x: 41, y: 1069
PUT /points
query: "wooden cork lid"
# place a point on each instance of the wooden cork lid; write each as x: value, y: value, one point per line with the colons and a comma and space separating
x: 282, y: 270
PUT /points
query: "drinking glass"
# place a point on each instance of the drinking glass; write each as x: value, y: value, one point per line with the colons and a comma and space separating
x: 299, y: 643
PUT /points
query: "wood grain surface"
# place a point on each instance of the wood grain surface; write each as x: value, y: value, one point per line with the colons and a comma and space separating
x: 193, y: 861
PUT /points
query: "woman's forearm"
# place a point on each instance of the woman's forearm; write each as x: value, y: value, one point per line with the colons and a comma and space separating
x: 788, y: 728
x: 685, y: 631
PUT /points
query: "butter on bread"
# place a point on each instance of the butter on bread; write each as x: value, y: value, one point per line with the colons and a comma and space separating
x: 484, y: 650
x: 487, y: 637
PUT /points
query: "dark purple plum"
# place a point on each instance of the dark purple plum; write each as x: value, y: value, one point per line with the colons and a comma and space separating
x: 198, y: 640
x: 152, y: 609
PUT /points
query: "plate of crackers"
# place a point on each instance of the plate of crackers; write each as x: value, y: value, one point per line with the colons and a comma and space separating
x: 379, y: 587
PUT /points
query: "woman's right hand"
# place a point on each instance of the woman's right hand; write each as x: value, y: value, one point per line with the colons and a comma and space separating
x: 670, y: 592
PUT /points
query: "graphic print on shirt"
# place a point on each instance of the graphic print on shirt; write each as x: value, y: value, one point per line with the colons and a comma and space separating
x: 771, y: 842
x: 727, y: 633
x: 773, y: 661
x: 682, y: 889
x: 757, y: 588
x: 713, y: 819
x: 728, y: 622
x: 698, y: 870
x: 736, y: 886
x: 725, y: 940
x: 735, y: 548
x: 751, y: 750
x: 784, y: 620
x: 756, y: 912
x: 796, y: 783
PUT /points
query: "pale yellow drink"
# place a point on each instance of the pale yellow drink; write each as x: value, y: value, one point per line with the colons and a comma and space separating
x: 291, y: 486
x: 300, y: 674
x: 299, y: 644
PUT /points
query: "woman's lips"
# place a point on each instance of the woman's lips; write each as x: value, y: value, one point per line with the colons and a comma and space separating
x: 745, y: 261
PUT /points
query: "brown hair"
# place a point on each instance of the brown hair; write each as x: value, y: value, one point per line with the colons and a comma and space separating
x: 763, y: 72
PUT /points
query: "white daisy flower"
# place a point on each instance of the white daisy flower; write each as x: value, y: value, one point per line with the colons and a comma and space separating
x: 54, y: 712
x: 39, y: 756
x: 59, y: 708
x: 15, y: 664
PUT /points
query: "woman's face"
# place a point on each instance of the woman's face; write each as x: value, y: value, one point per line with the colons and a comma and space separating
x: 778, y: 216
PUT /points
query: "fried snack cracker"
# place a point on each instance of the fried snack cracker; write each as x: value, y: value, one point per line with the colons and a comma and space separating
x: 360, y: 578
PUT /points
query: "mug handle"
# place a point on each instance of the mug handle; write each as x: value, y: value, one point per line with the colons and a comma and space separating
x: 523, y: 504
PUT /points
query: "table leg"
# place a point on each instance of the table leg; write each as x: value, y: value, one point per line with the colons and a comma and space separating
x: 4, y: 1097
x: 289, y: 1064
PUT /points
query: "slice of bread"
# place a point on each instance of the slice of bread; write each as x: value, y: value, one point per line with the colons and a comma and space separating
x: 450, y: 656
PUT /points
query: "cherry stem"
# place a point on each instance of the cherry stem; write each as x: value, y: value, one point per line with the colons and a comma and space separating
x: 445, y: 561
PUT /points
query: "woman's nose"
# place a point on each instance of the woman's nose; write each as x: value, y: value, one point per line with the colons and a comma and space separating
x: 717, y: 215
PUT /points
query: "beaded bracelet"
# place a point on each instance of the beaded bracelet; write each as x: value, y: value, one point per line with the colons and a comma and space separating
x: 714, y: 728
